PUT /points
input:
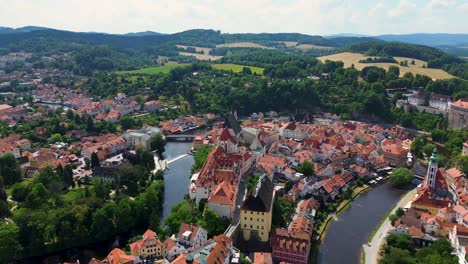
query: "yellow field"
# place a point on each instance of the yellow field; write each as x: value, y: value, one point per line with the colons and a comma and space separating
x: 201, y: 56
x: 205, y: 50
x: 243, y: 45
x: 350, y: 58
x: 289, y: 44
x: 310, y: 46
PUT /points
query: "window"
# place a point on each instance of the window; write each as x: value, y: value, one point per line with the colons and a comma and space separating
x: 251, y: 226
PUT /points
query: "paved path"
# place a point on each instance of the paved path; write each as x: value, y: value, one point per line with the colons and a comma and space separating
x: 372, y: 249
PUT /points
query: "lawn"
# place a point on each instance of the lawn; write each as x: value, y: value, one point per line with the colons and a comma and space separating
x: 73, y: 195
x: 243, y: 45
x: 237, y: 68
x: 349, y: 58
x: 154, y: 70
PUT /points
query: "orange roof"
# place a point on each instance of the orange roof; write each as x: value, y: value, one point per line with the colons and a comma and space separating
x: 225, y: 194
x: 463, y: 103
x: 118, y: 256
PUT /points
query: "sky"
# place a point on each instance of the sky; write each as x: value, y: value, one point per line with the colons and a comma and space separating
x: 314, y: 17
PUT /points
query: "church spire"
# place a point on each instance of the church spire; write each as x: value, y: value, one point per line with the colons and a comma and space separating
x: 432, y: 169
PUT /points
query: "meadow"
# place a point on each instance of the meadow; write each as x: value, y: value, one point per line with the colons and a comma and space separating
x: 237, y: 68
x: 350, y: 58
x: 154, y: 70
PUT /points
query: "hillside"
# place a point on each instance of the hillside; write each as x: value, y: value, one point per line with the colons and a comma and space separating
x: 428, y: 39
x: 349, y: 58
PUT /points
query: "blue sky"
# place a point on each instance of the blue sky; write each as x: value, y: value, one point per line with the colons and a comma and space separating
x: 315, y: 17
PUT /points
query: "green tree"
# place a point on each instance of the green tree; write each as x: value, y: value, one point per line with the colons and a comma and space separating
x: 95, y: 160
x: 10, y: 169
x: 147, y: 160
x: 38, y: 196
x: 10, y: 247
x: 401, y: 177
x: 213, y: 224
x: 400, y: 212
x: 103, y: 226
x: 307, y: 168
x: 56, y: 138
x: 100, y: 189
x: 348, y: 194
x: 183, y: 212
x: 90, y: 124
x: 158, y: 143
x: 428, y: 148
x: 127, y: 122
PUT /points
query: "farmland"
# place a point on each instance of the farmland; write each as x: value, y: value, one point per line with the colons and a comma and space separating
x: 350, y: 58
x: 154, y: 70
x: 205, y: 57
x: 237, y: 68
x: 198, y: 49
x: 243, y: 45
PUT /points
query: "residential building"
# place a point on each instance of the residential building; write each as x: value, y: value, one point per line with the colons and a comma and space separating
x: 173, y: 249
x: 148, y: 247
x: 137, y: 140
x: 118, y: 256
x: 393, y: 152
x: 458, y: 114
x: 218, y: 250
x: 440, y: 101
x: 4, y: 108
x: 153, y: 106
x: 223, y: 200
x: 191, y: 236
x: 292, y: 130
x: 256, y: 212
x: 290, y: 247
x: 417, y: 98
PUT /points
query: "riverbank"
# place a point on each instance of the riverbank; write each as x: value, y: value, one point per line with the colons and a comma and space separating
x: 370, y: 251
x: 340, y: 209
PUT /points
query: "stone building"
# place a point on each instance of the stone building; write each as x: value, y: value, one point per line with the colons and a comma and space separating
x: 458, y: 114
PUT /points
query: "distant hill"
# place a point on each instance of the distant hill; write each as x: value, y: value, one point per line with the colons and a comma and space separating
x: 428, y: 39
x: 144, y: 33
x: 9, y: 30
x: 340, y: 35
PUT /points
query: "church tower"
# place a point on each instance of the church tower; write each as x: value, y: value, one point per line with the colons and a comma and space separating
x: 432, y: 169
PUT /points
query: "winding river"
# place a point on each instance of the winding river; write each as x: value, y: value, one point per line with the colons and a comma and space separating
x: 345, y: 237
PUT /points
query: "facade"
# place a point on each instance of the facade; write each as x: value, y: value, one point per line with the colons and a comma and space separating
x: 291, y: 130
x: 149, y: 247
x: 440, y: 101
x: 223, y: 200
x: 137, y: 140
x: 191, y: 236
x: 256, y: 212
x: 458, y: 114
x: 153, y: 105
x: 290, y: 247
x: 218, y: 250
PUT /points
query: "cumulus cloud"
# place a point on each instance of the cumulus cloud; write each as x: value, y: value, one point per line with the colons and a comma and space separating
x: 305, y: 16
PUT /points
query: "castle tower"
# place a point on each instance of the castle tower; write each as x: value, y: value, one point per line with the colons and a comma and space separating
x: 432, y: 169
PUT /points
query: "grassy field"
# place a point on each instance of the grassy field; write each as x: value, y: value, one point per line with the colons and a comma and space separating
x: 205, y: 50
x: 205, y: 57
x: 310, y: 46
x: 243, y: 45
x: 154, y: 70
x: 73, y: 195
x: 237, y: 68
x: 350, y: 58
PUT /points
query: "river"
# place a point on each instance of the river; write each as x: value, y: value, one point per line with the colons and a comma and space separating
x: 177, y: 177
x: 345, y: 237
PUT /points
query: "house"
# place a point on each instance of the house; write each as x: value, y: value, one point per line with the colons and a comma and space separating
x: 291, y: 130
x: 137, y: 140
x: 269, y: 164
x: 393, y: 152
x: 458, y: 114
x: 290, y: 247
x: 223, y: 200
x: 440, y: 101
x: 153, y: 106
x: 173, y: 249
x: 417, y: 98
x: 148, y: 247
x: 218, y: 250
x: 191, y: 236
x: 9, y: 148
x: 256, y: 212
x: 118, y: 256
x: 307, y: 207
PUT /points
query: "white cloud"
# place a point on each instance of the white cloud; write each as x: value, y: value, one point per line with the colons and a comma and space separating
x: 440, y: 3
x: 305, y: 16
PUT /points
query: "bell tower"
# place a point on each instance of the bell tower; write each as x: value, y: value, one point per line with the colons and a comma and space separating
x: 432, y: 169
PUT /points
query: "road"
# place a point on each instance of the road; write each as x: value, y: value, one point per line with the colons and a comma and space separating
x: 372, y: 249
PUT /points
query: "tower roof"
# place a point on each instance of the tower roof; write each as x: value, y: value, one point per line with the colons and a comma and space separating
x: 434, y: 157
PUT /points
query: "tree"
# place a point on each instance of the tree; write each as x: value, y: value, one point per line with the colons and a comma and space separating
x: 10, y: 169
x: 95, y: 160
x: 38, y: 196
x: 68, y: 176
x: 56, y: 138
x: 348, y: 194
x: 10, y: 247
x: 307, y: 168
x: 127, y: 122
x: 100, y: 189
x: 213, y: 224
x: 147, y: 160
x: 4, y: 209
x: 428, y: 148
x: 158, y: 143
x: 87, y: 163
x: 393, y: 218
x: 90, y: 124
x: 183, y: 212
x: 400, y: 212
x: 401, y: 177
